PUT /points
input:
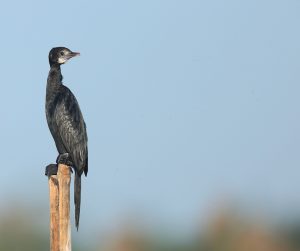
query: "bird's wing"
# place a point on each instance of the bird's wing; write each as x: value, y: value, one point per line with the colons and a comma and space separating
x: 72, y: 129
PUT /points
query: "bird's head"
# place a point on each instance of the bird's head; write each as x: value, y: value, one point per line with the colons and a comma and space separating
x: 60, y: 55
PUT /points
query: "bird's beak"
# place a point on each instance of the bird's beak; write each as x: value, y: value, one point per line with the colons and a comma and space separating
x: 74, y: 54
x: 71, y: 55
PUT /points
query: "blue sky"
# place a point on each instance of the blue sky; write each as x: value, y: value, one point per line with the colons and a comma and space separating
x: 185, y: 102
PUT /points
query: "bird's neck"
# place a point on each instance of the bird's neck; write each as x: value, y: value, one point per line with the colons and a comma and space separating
x: 54, y: 78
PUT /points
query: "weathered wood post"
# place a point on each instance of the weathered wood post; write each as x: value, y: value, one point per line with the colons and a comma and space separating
x: 64, y: 180
x: 54, y: 212
x: 60, y: 227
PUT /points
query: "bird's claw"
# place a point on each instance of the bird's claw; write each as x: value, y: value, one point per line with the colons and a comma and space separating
x: 64, y: 159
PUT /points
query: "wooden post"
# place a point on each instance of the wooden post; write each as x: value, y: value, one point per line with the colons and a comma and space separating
x: 64, y: 180
x: 60, y: 227
x: 54, y: 213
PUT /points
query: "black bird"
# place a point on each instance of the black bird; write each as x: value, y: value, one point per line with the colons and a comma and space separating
x: 66, y: 123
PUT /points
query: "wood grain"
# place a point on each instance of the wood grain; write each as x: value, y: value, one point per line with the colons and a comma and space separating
x: 64, y: 180
x: 54, y: 212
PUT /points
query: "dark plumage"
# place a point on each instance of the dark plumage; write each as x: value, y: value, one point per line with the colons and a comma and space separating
x: 66, y: 122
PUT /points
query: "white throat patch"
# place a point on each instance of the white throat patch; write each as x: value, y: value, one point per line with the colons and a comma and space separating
x: 62, y: 60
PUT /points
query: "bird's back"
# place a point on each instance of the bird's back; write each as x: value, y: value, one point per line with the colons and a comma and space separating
x: 67, y: 126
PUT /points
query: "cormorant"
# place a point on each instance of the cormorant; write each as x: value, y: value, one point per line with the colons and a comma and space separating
x: 66, y: 123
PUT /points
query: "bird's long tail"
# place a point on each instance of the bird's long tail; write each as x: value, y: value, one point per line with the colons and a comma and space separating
x: 77, y: 198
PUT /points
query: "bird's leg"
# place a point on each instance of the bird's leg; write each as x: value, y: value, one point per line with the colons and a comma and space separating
x: 65, y: 159
x: 51, y: 170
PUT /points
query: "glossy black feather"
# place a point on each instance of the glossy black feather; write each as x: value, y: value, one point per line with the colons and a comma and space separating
x: 66, y: 124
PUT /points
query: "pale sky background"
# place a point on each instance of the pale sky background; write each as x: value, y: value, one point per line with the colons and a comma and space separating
x: 185, y: 102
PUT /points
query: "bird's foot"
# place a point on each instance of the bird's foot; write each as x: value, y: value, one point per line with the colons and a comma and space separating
x: 51, y: 170
x: 64, y: 159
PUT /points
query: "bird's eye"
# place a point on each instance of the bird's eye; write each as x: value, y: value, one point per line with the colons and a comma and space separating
x: 62, y: 53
